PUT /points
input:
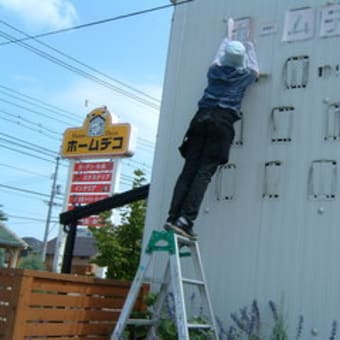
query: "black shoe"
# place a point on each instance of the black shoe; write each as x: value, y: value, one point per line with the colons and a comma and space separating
x: 168, y: 223
x: 182, y: 227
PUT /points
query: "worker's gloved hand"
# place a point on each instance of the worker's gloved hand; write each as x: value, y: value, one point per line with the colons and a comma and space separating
x: 230, y: 28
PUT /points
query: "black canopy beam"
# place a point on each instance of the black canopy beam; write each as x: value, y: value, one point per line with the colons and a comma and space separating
x: 116, y: 201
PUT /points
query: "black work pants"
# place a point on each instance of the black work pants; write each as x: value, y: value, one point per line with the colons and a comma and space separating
x: 201, y: 162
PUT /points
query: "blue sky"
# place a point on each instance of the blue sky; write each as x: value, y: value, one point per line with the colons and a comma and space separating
x: 131, y: 50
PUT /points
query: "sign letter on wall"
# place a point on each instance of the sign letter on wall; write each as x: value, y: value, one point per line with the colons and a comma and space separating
x: 330, y: 21
x: 298, y: 24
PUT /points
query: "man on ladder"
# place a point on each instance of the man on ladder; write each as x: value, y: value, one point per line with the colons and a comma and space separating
x: 205, y: 146
x: 208, y: 139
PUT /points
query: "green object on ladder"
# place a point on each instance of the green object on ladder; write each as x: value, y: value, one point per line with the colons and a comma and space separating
x: 163, y: 241
x: 172, y: 281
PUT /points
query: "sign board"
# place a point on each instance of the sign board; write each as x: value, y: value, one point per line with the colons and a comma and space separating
x: 330, y: 21
x: 90, y: 182
x: 92, y: 188
x: 97, y: 138
x: 93, y: 166
x: 85, y: 199
x: 92, y: 177
x: 299, y: 24
x: 242, y: 29
x: 268, y: 29
x: 93, y: 221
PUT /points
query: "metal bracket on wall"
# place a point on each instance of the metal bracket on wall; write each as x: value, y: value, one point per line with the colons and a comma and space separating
x: 238, y: 127
x: 282, y: 123
x: 225, y: 182
x: 322, y: 180
x: 324, y: 71
x: 296, y: 72
x: 332, y: 132
x: 272, y: 176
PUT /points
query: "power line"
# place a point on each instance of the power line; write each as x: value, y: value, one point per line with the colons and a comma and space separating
x: 38, y: 100
x: 82, y: 63
x: 41, y: 128
x: 36, y: 105
x: 81, y: 72
x: 37, y: 148
x: 129, y: 160
x: 25, y: 144
x: 98, y: 22
x: 33, y: 111
x: 146, y: 141
x: 145, y: 146
x: 23, y: 119
x: 25, y: 153
x: 26, y: 147
x: 26, y: 127
x: 9, y: 187
x: 28, y: 218
x: 23, y: 170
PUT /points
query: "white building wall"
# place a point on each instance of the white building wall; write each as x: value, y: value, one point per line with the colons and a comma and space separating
x: 285, y: 244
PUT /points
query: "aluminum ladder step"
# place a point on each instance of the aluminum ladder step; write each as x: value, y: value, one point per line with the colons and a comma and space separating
x: 200, y: 326
x: 173, y: 281
x: 141, y: 322
x: 193, y: 282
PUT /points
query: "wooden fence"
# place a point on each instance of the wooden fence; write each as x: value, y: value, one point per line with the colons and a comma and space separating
x: 36, y: 305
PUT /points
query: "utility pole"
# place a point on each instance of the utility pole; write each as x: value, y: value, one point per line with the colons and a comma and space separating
x: 49, y: 211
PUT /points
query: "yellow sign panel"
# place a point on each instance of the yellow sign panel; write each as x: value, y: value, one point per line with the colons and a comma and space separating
x: 98, y: 137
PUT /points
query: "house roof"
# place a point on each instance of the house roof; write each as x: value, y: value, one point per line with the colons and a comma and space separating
x: 84, y: 246
x: 34, y: 244
x: 9, y: 239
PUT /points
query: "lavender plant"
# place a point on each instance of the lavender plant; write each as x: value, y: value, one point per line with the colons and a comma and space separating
x: 248, y: 323
x: 299, y: 328
x: 333, y: 330
x: 167, y: 329
x: 279, y: 330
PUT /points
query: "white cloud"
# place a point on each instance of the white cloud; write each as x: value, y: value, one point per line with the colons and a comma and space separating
x: 144, y: 118
x: 54, y: 14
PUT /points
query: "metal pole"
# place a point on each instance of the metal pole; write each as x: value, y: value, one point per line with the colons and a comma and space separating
x: 69, y: 247
x: 61, y: 239
x: 49, y: 211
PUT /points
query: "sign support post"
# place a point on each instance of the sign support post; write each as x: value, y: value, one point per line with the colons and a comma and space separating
x: 71, y: 231
x: 97, y: 138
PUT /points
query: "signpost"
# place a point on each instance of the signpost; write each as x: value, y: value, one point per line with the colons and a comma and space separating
x: 91, y: 182
x: 97, y: 139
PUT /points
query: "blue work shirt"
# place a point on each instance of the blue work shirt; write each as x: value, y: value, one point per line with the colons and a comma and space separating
x: 226, y: 87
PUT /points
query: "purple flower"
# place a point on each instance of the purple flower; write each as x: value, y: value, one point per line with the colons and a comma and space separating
x: 256, y: 313
x: 170, y: 306
x: 200, y: 313
x: 221, y: 328
x: 333, y: 331
x: 251, y: 324
x: 244, y: 314
x: 299, y: 327
x: 192, y: 297
x: 274, y: 310
x: 231, y: 332
x: 238, y: 322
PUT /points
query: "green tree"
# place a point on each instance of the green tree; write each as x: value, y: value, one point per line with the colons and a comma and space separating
x: 119, y: 246
x: 3, y: 217
x: 31, y: 262
x: 2, y: 257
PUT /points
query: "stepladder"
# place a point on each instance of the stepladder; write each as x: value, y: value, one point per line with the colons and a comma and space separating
x: 182, y: 291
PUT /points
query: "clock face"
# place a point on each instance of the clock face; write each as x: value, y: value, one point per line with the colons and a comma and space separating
x: 96, y: 127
